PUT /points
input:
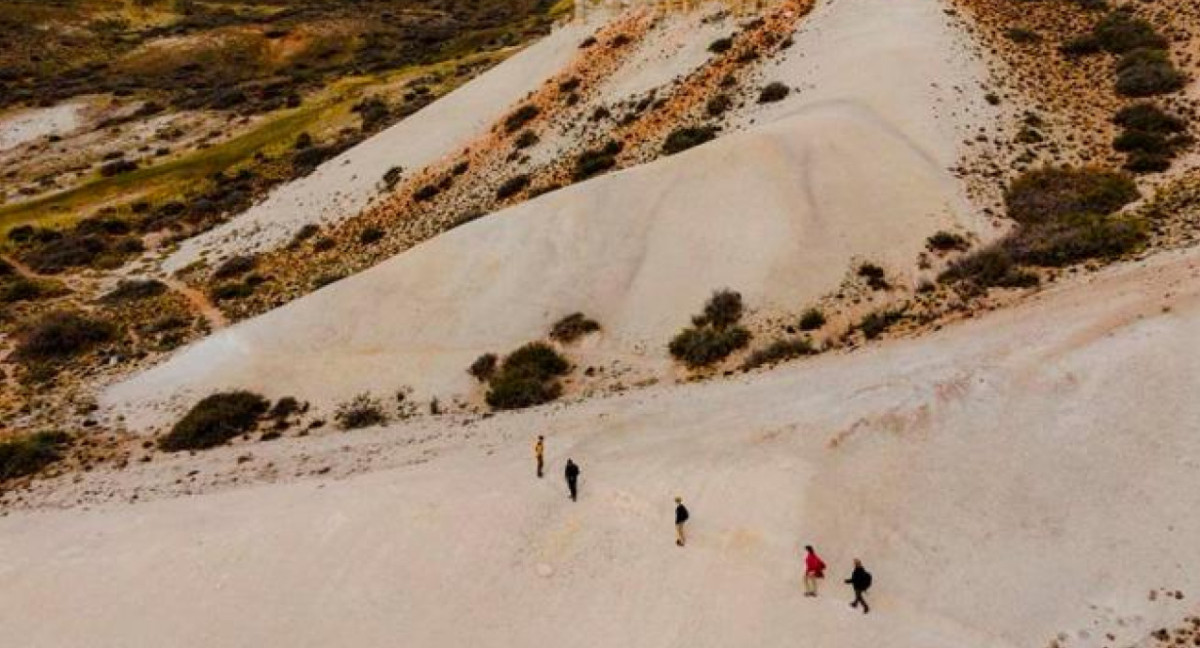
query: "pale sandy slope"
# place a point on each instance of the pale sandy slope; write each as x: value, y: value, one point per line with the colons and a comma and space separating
x: 781, y: 212
x: 344, y: 185
x: 1031, y: 473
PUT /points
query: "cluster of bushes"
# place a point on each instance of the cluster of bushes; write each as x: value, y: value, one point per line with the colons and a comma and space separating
x: 60, y: 335
x: 234, y: 290
x: 1150, y: 137
x: 1064, y: 216
x: 572, y: 327
x: 364, y: 410
x: 943, y: 241
x: 715, y: 333
x: 100, y: 241
x: 682, y: 139
x: 517, y: 119
x: 215, y: 420
x: 779, y: 351
x: 527, y: 377
x: 1144, y: 68
x: 876, y: 323
x: 135, y: 290
x: 30, y: 454
x: 234, y: 266
x: 593, y: 162
x: 512, y: 186
x: 874, y: 275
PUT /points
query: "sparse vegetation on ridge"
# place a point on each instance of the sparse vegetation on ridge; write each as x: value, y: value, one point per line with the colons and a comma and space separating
x: 527, y: 377
x: 215, y: 420
x: 715, y: 333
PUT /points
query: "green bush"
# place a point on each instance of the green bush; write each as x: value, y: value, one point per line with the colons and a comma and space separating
x: 779, y: 351
x: 874, y: 275
x: 682, y: 139
x: 527, y: 377
x: 525, y: 140
x: 231, y: 291
x: 234, y: 266
x: 1050, y: 193
x: 703, y: 346
x: 724, y: 308
x: 943, y: 241
x: 1148, y: 117
x: 721, y: 45
x: 876, y: 323
x: 215, y: 420
x: 359, y: 412
x: 988, y: 267
x: 1147, y: 72
x: 593, y: 162
x: 135, y: 290
x: 484, y: 367
x: 519, y: 117
x: 812, y: 319
x: 773, y: 92
x: 1120, y: 32
x: 1075, y: 239
x: 572, y: 327
x: 19, y: 289
x: 718, y: 105
x: 30, y: 454
x: 1081, y: 46
x: 512, y: 187
x: 59, y: 335
x: 371, y: 235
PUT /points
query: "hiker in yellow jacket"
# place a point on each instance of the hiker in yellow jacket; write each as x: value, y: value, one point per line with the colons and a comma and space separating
x: 539, y: 453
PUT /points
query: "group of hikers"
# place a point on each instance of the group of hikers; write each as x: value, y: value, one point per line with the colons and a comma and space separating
x: 814, y: 566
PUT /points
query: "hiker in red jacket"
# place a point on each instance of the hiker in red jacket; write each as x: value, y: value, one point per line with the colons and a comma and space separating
x: 814, y: 568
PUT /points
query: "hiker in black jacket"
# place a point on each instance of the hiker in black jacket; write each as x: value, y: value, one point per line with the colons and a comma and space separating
x: 860, y: 580
x: 572, y: 473
x: 681, y: 516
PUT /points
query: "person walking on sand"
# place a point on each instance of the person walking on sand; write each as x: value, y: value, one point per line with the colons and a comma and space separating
x: 860, y: 580
x: 681, y: 518
x: 814, y: 569
x: 539, y: 453
x: 572, y: 474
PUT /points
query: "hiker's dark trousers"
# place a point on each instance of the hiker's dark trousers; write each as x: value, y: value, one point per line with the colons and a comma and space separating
x: 858, y: 598
x: 540, y: 464
x: 573, y: 487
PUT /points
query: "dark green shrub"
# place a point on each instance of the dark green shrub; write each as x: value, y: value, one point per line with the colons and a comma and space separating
x: 426, y: 193
x: 1146, y: 72
x: 779, y: 351
x: 682, y: 139
x: 519, y: 117
x: 1146, y: 116
x: 69, y: 251
x: 512, y: 187
x: 874, y: 275
x: 234, y: 266
x: 527, y: 377
x: 117, y: 167
x: 703, y: 346
x: 135, y: 290
x: 724, y: 308
x: 215, y: 420
x: 877, y: 323
x: 721, y: 45
x: 359, y: 412
x: 1054, y: 192
x: 285, y: 407
x: 59, y: 335
x: 812, y: 319
x: 572, y: 327
x: 773, y: 92
x: 1022, y: 35
x: 231, y: 291
x: 1144, y: 141
x: 1141, y: 162
x: 371, y: 235
x: 1075, y: 239
x: 1120, y: 32
x: 593, y: 162
x: 569, y: 85
x: 943, y: 241
x: 718, y: 105
x: 1081, y: 46
x: 525, y: 140
x: 992, y: 266
x: 28, y: 455
x: 484, y: 367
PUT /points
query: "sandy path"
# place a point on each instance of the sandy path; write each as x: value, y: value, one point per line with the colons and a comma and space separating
x: 1026, y: 474
x: 199, y: 303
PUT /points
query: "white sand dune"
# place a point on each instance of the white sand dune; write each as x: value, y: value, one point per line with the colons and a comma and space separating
x: 344, y: 185
x: 781, y: 212
x: 24, y: 126
x: 1026, y: 474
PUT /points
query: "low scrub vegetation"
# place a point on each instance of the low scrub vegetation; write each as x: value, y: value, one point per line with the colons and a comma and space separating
x: 874, y: 275
x: 512, y: 187
x: 944, y: 241
x: 593, y: 162
x: 216, y: 420
x: 359, y: 412
x: 812, y: 319
x: 572, y: 327
x: 60, y: 335
x: 1148, y: 72
x: 1150, y: 137
x: 29, y: 455
x: 682, y: 139
x: 484, y: 367
x: 876, y: 323
x: 518, y: 118
x: 1064, y: 216
x: 715, y: 333
x: 135, y: 290
x: 234, y: 266
x: 528, y: 377
x: 773, y: 92
x: 779, y: 351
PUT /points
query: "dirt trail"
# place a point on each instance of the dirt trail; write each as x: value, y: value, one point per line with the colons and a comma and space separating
x: 200, y: 303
